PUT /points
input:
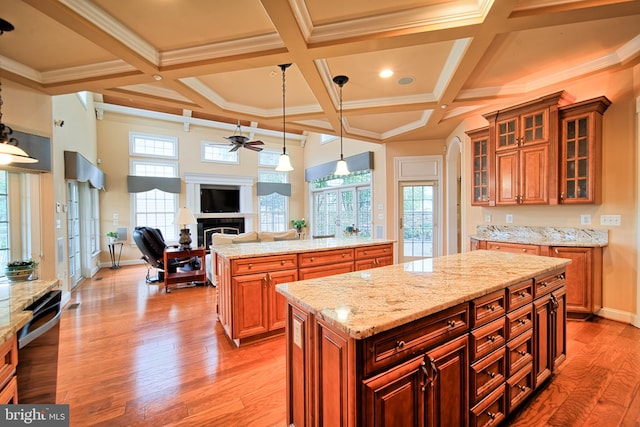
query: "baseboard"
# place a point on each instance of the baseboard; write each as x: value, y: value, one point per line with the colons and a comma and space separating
x: 618, y: 315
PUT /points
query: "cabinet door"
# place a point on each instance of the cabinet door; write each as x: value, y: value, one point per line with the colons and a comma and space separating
x: 447, y: 386
x: 480, y: 168
x: 559, y: 324
x: 543, y: 332
x: 534, y: 128
x: 250, y: 305
x: 507, y: 134
x: 395, y: 397
x: 507, y: 166
x: 580, y: 292
x: 534, y: 175
x: 278, y: 303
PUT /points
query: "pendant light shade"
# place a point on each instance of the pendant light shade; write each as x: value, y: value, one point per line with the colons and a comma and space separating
x: 341, y: 166
x: 284, y: 162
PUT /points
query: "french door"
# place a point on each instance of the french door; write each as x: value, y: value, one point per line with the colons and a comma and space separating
x: 73, y: 224
x: 335, y: 210
x: 417, y: 208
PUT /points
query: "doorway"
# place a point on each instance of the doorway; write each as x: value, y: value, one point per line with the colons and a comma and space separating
x: 417, y: 207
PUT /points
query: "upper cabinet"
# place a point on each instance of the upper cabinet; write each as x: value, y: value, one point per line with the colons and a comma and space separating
x: 546, y: 151
x: 581, y: 151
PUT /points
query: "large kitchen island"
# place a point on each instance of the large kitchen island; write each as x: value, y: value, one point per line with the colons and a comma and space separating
x: 456, y: 340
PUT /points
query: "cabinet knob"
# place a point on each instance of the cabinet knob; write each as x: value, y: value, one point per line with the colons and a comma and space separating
x: 365, y: 252
x: 522, y: 294
x: 281, y: 262
x: 491, y: 415
x: 521, y: 387
x: 344, y: 255
x: 522, y: 352
x: 250, y: 265
x: 491, y: 374
x: 491, y: 307
x: 524, y: 250
x: 522, y: 321
x: 451, y: 323
x: 311, y: 259
x: 400, y: 345
x: 561, y: 196
x: 498, y: 247
x: 491, y: 338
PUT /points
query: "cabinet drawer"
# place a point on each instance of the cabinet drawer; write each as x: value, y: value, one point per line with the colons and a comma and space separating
x: 519, y: 387
x: 311, y: 259
x: 519, y: 295
x: 519, y: 321
x: 325, y: 270
x: 487, y: 338
x: 487, y: 308
x: 519, y: 352
x: 545, y: 284
x: 486, y: 374
x: 9, y: 394
x: 263, y: 264
x: 514, y: 247
x: 9, y: 359
x: 364, y: 264
x: 491, y: 410
x: 374, y: 251
x: 398, y: 344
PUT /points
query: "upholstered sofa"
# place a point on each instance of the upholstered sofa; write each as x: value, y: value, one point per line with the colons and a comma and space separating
x: 248, y: 237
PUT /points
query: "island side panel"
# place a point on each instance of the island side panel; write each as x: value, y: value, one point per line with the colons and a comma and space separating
x: 299, y: 337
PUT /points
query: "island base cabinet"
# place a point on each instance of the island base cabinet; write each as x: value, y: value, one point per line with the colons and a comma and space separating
x: 550, y: 312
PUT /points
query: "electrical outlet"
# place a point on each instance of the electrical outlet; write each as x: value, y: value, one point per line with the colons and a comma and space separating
x: 509, y: 219
x: 585, y: 219
x: 487, y: 218
x: 613, y: 220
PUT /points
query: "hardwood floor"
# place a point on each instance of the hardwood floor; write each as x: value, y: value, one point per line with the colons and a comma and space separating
x: 131, y: 355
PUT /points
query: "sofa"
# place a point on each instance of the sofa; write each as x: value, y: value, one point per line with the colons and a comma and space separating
x: 248, y: 237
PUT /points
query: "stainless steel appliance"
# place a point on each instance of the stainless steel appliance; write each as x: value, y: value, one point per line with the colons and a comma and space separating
x: 38, y: 351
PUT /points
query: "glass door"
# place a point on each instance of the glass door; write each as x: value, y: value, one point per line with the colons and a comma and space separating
x: 417, y: 223
x: 73, y: 218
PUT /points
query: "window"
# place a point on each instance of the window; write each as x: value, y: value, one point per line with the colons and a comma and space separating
x: 339, y: 202
x: 273, y: 208
x: 156, y: 208
x: 4, y: 219
x: 153, y: 145
x: 269, y: 158
x: 94, y: 220
x: 218, y: 152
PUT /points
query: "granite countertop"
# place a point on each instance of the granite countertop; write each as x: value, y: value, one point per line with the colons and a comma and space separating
x: 543, y: 236
x: 364, y: 303
x: 250, y: 250
x: 14, y: 298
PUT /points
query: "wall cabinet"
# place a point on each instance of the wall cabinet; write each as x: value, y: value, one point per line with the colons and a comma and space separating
x: 8, y: 380
x: 546, y: 151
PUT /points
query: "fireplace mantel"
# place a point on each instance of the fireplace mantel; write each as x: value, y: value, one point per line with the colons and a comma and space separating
x: 193, y: 182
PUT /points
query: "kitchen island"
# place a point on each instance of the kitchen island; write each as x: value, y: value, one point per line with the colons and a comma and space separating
x: 456, y: 340
x: 247, y: 273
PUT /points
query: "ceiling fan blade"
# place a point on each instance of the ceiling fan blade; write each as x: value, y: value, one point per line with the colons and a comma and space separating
x: 235, y: 147
x: 252, y: 147
x: 255, y: 143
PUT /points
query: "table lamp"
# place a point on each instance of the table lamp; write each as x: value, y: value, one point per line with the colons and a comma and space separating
x: 184, y: 218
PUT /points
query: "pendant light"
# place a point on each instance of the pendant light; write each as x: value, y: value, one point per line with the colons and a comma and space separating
x: 284, y: 162
x: 9, y: 150
x: 341, y: 166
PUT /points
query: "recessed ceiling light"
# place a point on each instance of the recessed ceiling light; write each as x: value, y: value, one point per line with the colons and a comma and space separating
x: 406, y: 80
x: 386, y: 73
x: 157, y: 77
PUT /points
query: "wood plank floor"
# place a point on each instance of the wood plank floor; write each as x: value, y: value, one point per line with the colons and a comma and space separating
x: 131, y: 355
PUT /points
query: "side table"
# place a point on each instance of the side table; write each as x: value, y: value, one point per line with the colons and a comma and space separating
x: 184, y: 276
x: 115, y: 261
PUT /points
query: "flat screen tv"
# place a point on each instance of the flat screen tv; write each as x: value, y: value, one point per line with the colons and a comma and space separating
x: 218, y: 199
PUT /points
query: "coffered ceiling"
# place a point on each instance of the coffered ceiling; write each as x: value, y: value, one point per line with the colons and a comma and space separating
x: 218, y: 59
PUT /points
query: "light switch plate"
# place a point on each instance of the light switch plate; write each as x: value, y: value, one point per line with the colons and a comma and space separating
x: 585, y: 219
x: 509, y: 219
x: 613, y: 220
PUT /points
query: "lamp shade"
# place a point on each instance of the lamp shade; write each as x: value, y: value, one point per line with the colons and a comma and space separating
x: 284, y: 163
x: 185, y: 217
x: 341, y: 168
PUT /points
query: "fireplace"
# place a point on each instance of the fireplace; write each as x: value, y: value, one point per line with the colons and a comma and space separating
x: 207, y: 223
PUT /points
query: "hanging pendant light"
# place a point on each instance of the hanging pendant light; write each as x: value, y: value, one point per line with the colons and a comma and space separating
x: 341, y: 166
x: 284, y: 162
x: 9, y: 150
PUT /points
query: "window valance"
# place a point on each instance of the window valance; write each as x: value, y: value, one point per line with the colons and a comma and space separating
x: 266, y: 188
x: 359, y: 162
x: 140, y: 184
x: 78, y: 168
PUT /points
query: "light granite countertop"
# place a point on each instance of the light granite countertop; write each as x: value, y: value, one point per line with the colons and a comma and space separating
x: 250, y: 250
x: 543, y: 236
x: 364, y: 303
x: 14, y: 298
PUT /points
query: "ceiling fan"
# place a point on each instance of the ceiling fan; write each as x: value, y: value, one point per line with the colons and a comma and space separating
x: 239, y: 141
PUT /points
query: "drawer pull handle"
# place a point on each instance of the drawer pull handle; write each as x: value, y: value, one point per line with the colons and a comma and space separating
x: 311, y: 259
x: 543, y: 284
x: 491, y: 415
x: 365, y: 252
x: 400, y: 345
x: 497, y: 247
x: 491, y: 374
x: 491, y: 338
x: 522, y: 321
x: 521, y: 387
x: 522, y: 294
x: 522, y: 352
x: 560, y: 276
x: 524, y: 250
x: 491, y: 307
x: 250, y: 265
x: 281, y: 262
x: 344, y: 255
x: 451, y: 323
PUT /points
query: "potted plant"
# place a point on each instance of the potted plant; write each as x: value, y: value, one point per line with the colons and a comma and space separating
x: 112, y: 236
x: 21, y: 270
x: 298, y: 224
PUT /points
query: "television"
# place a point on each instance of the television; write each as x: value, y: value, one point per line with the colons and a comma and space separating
x: 218, y: 199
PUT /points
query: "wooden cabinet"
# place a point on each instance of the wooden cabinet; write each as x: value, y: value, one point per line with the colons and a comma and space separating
x: 481, y: 158
x: 8, y: 381
x: 520, y: 248
x: 581, y: 151
x: 522, y: 176
x: 373, y: 256
x: 248, y: 304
